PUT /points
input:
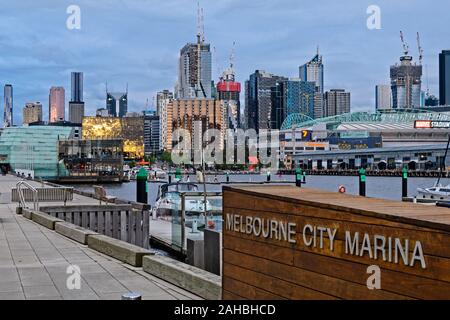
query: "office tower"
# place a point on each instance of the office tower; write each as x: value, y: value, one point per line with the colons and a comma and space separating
x: 56, y: 109
x: 259, y: 100
x: 117, y: 103
x: 444, y: 78
x: 406, y: 84
x: 182, y: 114
x: 8, y: 111
x: 336, y: 102
x: 312, y: 71
x: 289, y: 97
x: 160, y: 97
x: 229, y: 91
x: 194, y: 75
x: 76, y: 112
x: 77, y: 87
x: 32, y: 112
x: 152, y: 138
x: 382, y: 97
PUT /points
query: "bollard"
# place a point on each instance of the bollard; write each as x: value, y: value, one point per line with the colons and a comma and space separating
x: 298, y: 177
x: 178, y: 174
x: 141, y: 186
x: 170, y: 178
x: 268, y: 176
x: 362, y: 182
x: 304, y: 177
x: 404, y: 182
x: 131, y: 296
x: 228, y: 177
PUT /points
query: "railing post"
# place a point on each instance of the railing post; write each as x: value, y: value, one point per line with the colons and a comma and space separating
x: 183, y: 220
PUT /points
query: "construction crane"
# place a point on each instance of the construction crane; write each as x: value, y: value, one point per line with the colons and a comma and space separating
x: 420, y: 49
x: 405, y: 45
x: 200, y: 42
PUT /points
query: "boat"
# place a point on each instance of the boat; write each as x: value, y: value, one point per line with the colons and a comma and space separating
x: 157, y: 174
x: 438, y: 192
x: 168, y: 204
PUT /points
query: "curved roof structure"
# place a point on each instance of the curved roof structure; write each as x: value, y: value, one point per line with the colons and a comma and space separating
x: 298, y: 120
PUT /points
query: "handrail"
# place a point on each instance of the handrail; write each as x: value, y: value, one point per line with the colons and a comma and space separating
x: 22, y: 197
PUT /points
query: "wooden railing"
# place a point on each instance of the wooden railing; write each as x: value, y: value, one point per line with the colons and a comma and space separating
x: 63, y: 194
x: 117, y: 221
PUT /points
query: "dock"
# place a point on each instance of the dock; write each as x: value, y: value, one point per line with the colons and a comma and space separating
x: 34, y: 262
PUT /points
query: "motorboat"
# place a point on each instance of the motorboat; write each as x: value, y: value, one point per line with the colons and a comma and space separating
x: 168, y: 204
x: 157, y: 174
x: 438, y: 192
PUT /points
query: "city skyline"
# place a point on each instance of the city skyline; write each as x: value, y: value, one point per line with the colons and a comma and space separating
x: 355, y: 57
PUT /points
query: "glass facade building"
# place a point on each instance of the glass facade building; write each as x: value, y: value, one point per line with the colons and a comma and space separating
x: 117, y: 103
x: 444, y: 78
x: 33, y: 148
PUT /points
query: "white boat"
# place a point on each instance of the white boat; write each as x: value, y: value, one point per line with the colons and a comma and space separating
x: 438, y: 192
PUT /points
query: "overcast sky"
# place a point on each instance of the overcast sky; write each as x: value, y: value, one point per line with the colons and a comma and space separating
x: 138, y: 42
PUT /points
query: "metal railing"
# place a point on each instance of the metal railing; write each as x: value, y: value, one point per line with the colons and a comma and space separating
x: 23, y: 202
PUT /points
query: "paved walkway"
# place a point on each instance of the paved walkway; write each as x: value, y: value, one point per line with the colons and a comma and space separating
x: 34, y: 262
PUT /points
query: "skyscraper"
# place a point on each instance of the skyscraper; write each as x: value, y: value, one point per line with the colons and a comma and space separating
x: 32, y: 112
x: 444, y: 77
x: 289, y: 97
x: 194, y: 75
x: 117, y: 103
x: 382, y: 97
x: 76, y: 104
x: 336, y: 102
x: 406, y: 84
x: 312, y: 71
x: 229, y: 90
x: 259, y: 99
x: 56, y: 107
x: 160, y: 97
x: 8, y: 112
x: 77, y: 87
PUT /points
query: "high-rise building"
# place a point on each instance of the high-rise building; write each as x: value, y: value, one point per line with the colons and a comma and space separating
x: 312, y: 71
x: 152, y: 138
x: 77, y: 87
x: 289, y: 97
x: 406, y: 84
x: 102, y: 112
x: 383, y: 97
x: 56, y: 108
x: 117, y: 103
x: 76, y: 112
x: 229, y: 91
x: 32, y: 112
x: 258, y: 99
x: 160, y: 97
x: 8, y: 112
x: 183, y: 114
x: 336, y: 102
x: 444, y: 77
x: 194, y: 75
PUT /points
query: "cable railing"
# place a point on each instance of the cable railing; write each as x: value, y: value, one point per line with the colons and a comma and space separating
x: 23, y: 202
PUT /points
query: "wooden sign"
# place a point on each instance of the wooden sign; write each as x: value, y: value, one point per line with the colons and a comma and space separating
x: 282, y: 242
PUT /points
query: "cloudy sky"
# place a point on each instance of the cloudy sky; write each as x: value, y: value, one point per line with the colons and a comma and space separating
x: 138, y: 41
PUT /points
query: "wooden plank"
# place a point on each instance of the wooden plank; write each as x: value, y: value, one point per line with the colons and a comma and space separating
x: 247, y: 291
x: 392, y: 281
x: 77, y: 218
x: 101, y: 221
x: 280, y: 287
x: 132, y: 227
x: 315, y: 281
x: 116, y: 224
x: 84, y: 219
x: 146, y: 229
x: 108, y: 223
x: 93, y: 221
x: 139, y: 224
x: 227, y: 295
x: 123, y: 225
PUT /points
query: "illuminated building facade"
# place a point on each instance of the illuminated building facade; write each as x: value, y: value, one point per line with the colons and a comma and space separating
x: 129, y: 129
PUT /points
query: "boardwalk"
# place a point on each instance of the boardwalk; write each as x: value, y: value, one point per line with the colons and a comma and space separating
x: 34, y: 262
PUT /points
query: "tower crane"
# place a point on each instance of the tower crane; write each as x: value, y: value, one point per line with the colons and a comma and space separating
x: 405, y: 45
x: 420, y: 49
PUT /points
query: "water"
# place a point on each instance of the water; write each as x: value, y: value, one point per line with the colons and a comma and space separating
x: 376, y: 187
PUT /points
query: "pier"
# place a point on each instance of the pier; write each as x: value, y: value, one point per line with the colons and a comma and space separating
x: 34, y: 261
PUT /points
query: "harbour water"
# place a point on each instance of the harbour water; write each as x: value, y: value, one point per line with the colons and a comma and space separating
x: 377, y: 187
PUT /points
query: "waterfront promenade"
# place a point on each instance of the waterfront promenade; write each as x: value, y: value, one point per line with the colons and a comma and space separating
x: 34, y: 262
